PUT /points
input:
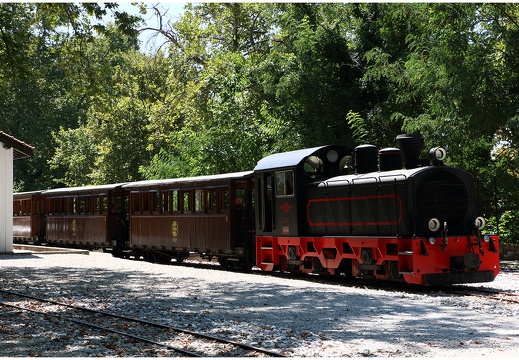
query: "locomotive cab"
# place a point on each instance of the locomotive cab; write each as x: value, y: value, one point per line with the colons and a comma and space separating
x: 281, y: 180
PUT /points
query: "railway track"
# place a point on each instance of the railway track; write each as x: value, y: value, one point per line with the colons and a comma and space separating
x: 177, y: 340
x: 484, y: 293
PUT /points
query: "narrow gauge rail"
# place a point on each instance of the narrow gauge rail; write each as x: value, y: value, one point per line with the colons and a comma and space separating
x: 253, y: 351
x: 484, y: 293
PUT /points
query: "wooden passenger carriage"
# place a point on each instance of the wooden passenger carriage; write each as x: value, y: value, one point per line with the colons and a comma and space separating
x: 29, y: 217
x: 89, y: 217
x: 208, y: 215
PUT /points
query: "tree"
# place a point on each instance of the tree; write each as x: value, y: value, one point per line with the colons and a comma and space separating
x: 118, y: 120
x: 44, y: 78
x: 451, y: 75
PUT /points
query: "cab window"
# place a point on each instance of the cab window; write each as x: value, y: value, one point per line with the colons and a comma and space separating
x: 284, y: 183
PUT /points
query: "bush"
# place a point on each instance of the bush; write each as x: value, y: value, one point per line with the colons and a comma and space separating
x: 507, y: 227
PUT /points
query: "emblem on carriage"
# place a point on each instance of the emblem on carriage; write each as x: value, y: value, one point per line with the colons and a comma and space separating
x: 174, y: 230
x: 285, y: 207
x: 74, y: 227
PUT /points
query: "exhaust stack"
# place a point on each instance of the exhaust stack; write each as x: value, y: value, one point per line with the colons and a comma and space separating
x: 411, y: 146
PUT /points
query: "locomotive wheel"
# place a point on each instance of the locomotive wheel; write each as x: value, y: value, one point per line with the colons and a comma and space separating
x: 224, y: 261
x: 393, y: 269
x: 179, y: 260
x: 366, y: 255
x: 292, y: 253
x: 318, y: 267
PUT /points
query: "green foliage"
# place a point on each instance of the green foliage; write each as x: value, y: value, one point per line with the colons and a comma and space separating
x: 358, y: 126
x: 45, y: 78
x: 237, y: 81
x: 114, y: 139
x: 506, y: 225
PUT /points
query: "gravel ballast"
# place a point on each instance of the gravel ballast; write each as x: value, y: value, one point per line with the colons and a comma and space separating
x: 295, y: 317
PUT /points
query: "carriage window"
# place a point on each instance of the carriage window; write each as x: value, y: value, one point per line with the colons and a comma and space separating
x: 212, y: 200
x: 53, y: 206
x: 199, y: 200
x: 145, y: 202
x: 82, y: 206
x: 155, y: 203
x: 16, y: 207
x: 104, y: 206
x: 26, y: 207
x: 119, y: 204
x: 174, y: 200
x: 88, y: 205
x: 187, y: 201
x: 225, y: 200
x: 241, y: 198
x: 165, y: 202
x: 97, y: 205
x: 285, y: 183
x: 39, y: 206
x: 136, y: 202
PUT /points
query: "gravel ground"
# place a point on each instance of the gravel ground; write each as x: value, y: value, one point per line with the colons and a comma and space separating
x: 297, y: 317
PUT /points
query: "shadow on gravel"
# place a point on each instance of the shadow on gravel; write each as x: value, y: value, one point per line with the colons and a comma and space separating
x: 253, y: 308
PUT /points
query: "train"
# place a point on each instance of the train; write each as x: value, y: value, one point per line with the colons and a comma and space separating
x: 331, y: 210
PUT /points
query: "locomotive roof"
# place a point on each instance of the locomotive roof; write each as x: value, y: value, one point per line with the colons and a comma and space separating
x: 383, y: 176
x: 146, y: 183
x: 376, y: 176
x: 293, y: 158
x: 83, y: 188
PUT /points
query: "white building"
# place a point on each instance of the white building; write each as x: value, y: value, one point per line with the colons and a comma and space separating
x: 11, y: 149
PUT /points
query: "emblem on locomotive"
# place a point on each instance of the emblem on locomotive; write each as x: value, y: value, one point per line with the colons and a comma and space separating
x: 174, y: 230
x: 285, y: 207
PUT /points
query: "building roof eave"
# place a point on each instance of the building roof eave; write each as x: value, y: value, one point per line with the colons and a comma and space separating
x: 20, y: 149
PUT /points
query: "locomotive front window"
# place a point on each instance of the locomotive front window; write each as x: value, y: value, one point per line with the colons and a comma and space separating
x: 346, y: 165
x: 285, y: 183
x: 313, y: 167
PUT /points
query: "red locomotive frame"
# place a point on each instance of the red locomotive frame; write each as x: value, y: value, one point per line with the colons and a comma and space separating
x: 411, y: 260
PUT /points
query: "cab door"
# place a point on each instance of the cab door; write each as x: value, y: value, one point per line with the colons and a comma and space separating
x: 285, y: 205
